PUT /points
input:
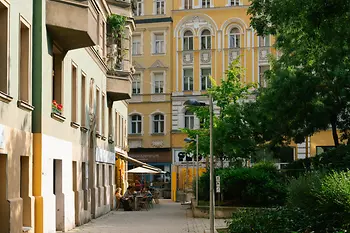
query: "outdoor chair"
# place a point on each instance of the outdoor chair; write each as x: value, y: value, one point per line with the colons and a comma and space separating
x: 143, y: 204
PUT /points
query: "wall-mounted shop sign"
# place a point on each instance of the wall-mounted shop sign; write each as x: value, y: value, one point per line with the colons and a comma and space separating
x: 104, y: 156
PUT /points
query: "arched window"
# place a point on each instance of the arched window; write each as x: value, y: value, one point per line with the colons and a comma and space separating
x: 235, y: 38
x: 188, y: 40
x: 189, y: 120
x: 206, y: 39
x: 158, y: 123
x: 136, y: 124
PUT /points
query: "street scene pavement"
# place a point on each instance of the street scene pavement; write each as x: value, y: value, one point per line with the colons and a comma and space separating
x: 166, y: 217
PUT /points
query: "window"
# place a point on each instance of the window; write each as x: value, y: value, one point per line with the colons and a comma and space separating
x: 158, y: 83
x: 139, y: 6
x: 74, y: 94
x: 206, y: 40
x: 160, y: 7
x: 98, y: 109
x: 136, y: 124
x: 188, y: 4
x: 57, y: 76
x: 205, y: 3
x: 136, y: 84
x: 188, y: 79
x: 189, y: 120
x: 234, y: 2
x: 158, y: 123
x: 205, y: 79
x: 159, y: 43
x: 24, y: 66
x: 83, y: 100
x: 264, y: 41
x: 116, y: 128
x: 235, y: 38
x: 4, y: 13
x: 262, y: 69
x: 136, y: 45
x: 188, y: 40
x: 103, y: 113
x: 102, y: 35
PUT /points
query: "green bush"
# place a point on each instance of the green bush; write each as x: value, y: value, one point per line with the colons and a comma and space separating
x: 335, y: 159
x: 280, y: 220
x: 261, y: 185
x: 316, y: 202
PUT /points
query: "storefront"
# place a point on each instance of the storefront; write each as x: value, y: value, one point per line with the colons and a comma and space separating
x: 160, y: 158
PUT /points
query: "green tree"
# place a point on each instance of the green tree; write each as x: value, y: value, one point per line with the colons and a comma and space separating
x: 232, y: 134
x: 308, y: 86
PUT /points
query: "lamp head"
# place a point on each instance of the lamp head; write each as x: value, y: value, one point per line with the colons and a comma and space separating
x: 189, y: 140
x: 194, y: 102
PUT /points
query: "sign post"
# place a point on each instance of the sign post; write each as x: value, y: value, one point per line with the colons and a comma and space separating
x: 218, y: 188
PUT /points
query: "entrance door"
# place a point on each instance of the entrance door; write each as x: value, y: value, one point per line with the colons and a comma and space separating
x: 57, y: 190
x: 4, y: 211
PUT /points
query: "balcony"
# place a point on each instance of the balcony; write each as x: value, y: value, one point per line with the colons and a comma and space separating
x: 119, y: 86
x: 120, y: 3
x: 72, y: 23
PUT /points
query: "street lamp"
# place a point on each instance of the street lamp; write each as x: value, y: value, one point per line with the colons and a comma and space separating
x: 196, y: 103
x: 197, y: 168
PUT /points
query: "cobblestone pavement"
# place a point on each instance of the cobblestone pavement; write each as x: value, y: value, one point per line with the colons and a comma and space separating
x: 167, y: 217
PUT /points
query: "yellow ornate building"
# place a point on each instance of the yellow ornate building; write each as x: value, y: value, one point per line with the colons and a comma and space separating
x: 149, y: 110
x: 181, y: 43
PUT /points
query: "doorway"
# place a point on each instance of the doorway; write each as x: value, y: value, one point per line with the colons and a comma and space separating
x: 76, y: 192
x: 4, y: 211
x: 24, y: 190
x: 57, y: 191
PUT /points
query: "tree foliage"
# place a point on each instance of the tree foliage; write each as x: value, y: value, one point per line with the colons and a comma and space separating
x: 309, y: 83
x: 231, y: 133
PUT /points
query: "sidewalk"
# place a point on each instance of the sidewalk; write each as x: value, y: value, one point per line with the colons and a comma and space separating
x: 167, y: 217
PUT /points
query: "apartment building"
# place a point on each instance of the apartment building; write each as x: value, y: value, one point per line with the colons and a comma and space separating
x: 16, y: 106
x: 63, y: 110
x: 150, y: 106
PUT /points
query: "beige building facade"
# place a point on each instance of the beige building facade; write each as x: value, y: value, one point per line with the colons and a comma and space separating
x: 16, y: 149
x: 63, y: 111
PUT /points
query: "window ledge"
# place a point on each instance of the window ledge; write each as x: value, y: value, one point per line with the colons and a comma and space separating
x: 160, y: 54
x: 103, y: 138
x: 58, y: 117
x: 135, y: 134
x: 84, y: 129
x: 98, y: 135
x: 157, y: 134
x: 5, y: 97
x: 24, y: 105
x: 74, y: 125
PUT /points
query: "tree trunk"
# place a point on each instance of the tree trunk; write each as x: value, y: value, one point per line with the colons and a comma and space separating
x: 334, y: 130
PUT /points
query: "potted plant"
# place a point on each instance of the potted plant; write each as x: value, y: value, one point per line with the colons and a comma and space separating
x: 56, y: 108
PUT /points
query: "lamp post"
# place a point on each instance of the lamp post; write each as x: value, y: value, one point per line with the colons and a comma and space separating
x: 197, y: 163
x: 194, y: 102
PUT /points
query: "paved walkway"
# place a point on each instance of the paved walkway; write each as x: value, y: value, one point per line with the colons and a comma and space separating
x: 167, y: 217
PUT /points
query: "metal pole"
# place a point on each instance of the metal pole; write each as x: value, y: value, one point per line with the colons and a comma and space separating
x: 197, y: 174
x: 212, y: 205
x: 186, y: 180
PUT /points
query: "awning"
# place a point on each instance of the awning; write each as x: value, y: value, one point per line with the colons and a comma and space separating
x: 137, y: 162
x: 142, y: 170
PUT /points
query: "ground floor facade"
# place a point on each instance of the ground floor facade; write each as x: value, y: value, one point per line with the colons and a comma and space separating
x: 76, y: 183
x: 16, y: 197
